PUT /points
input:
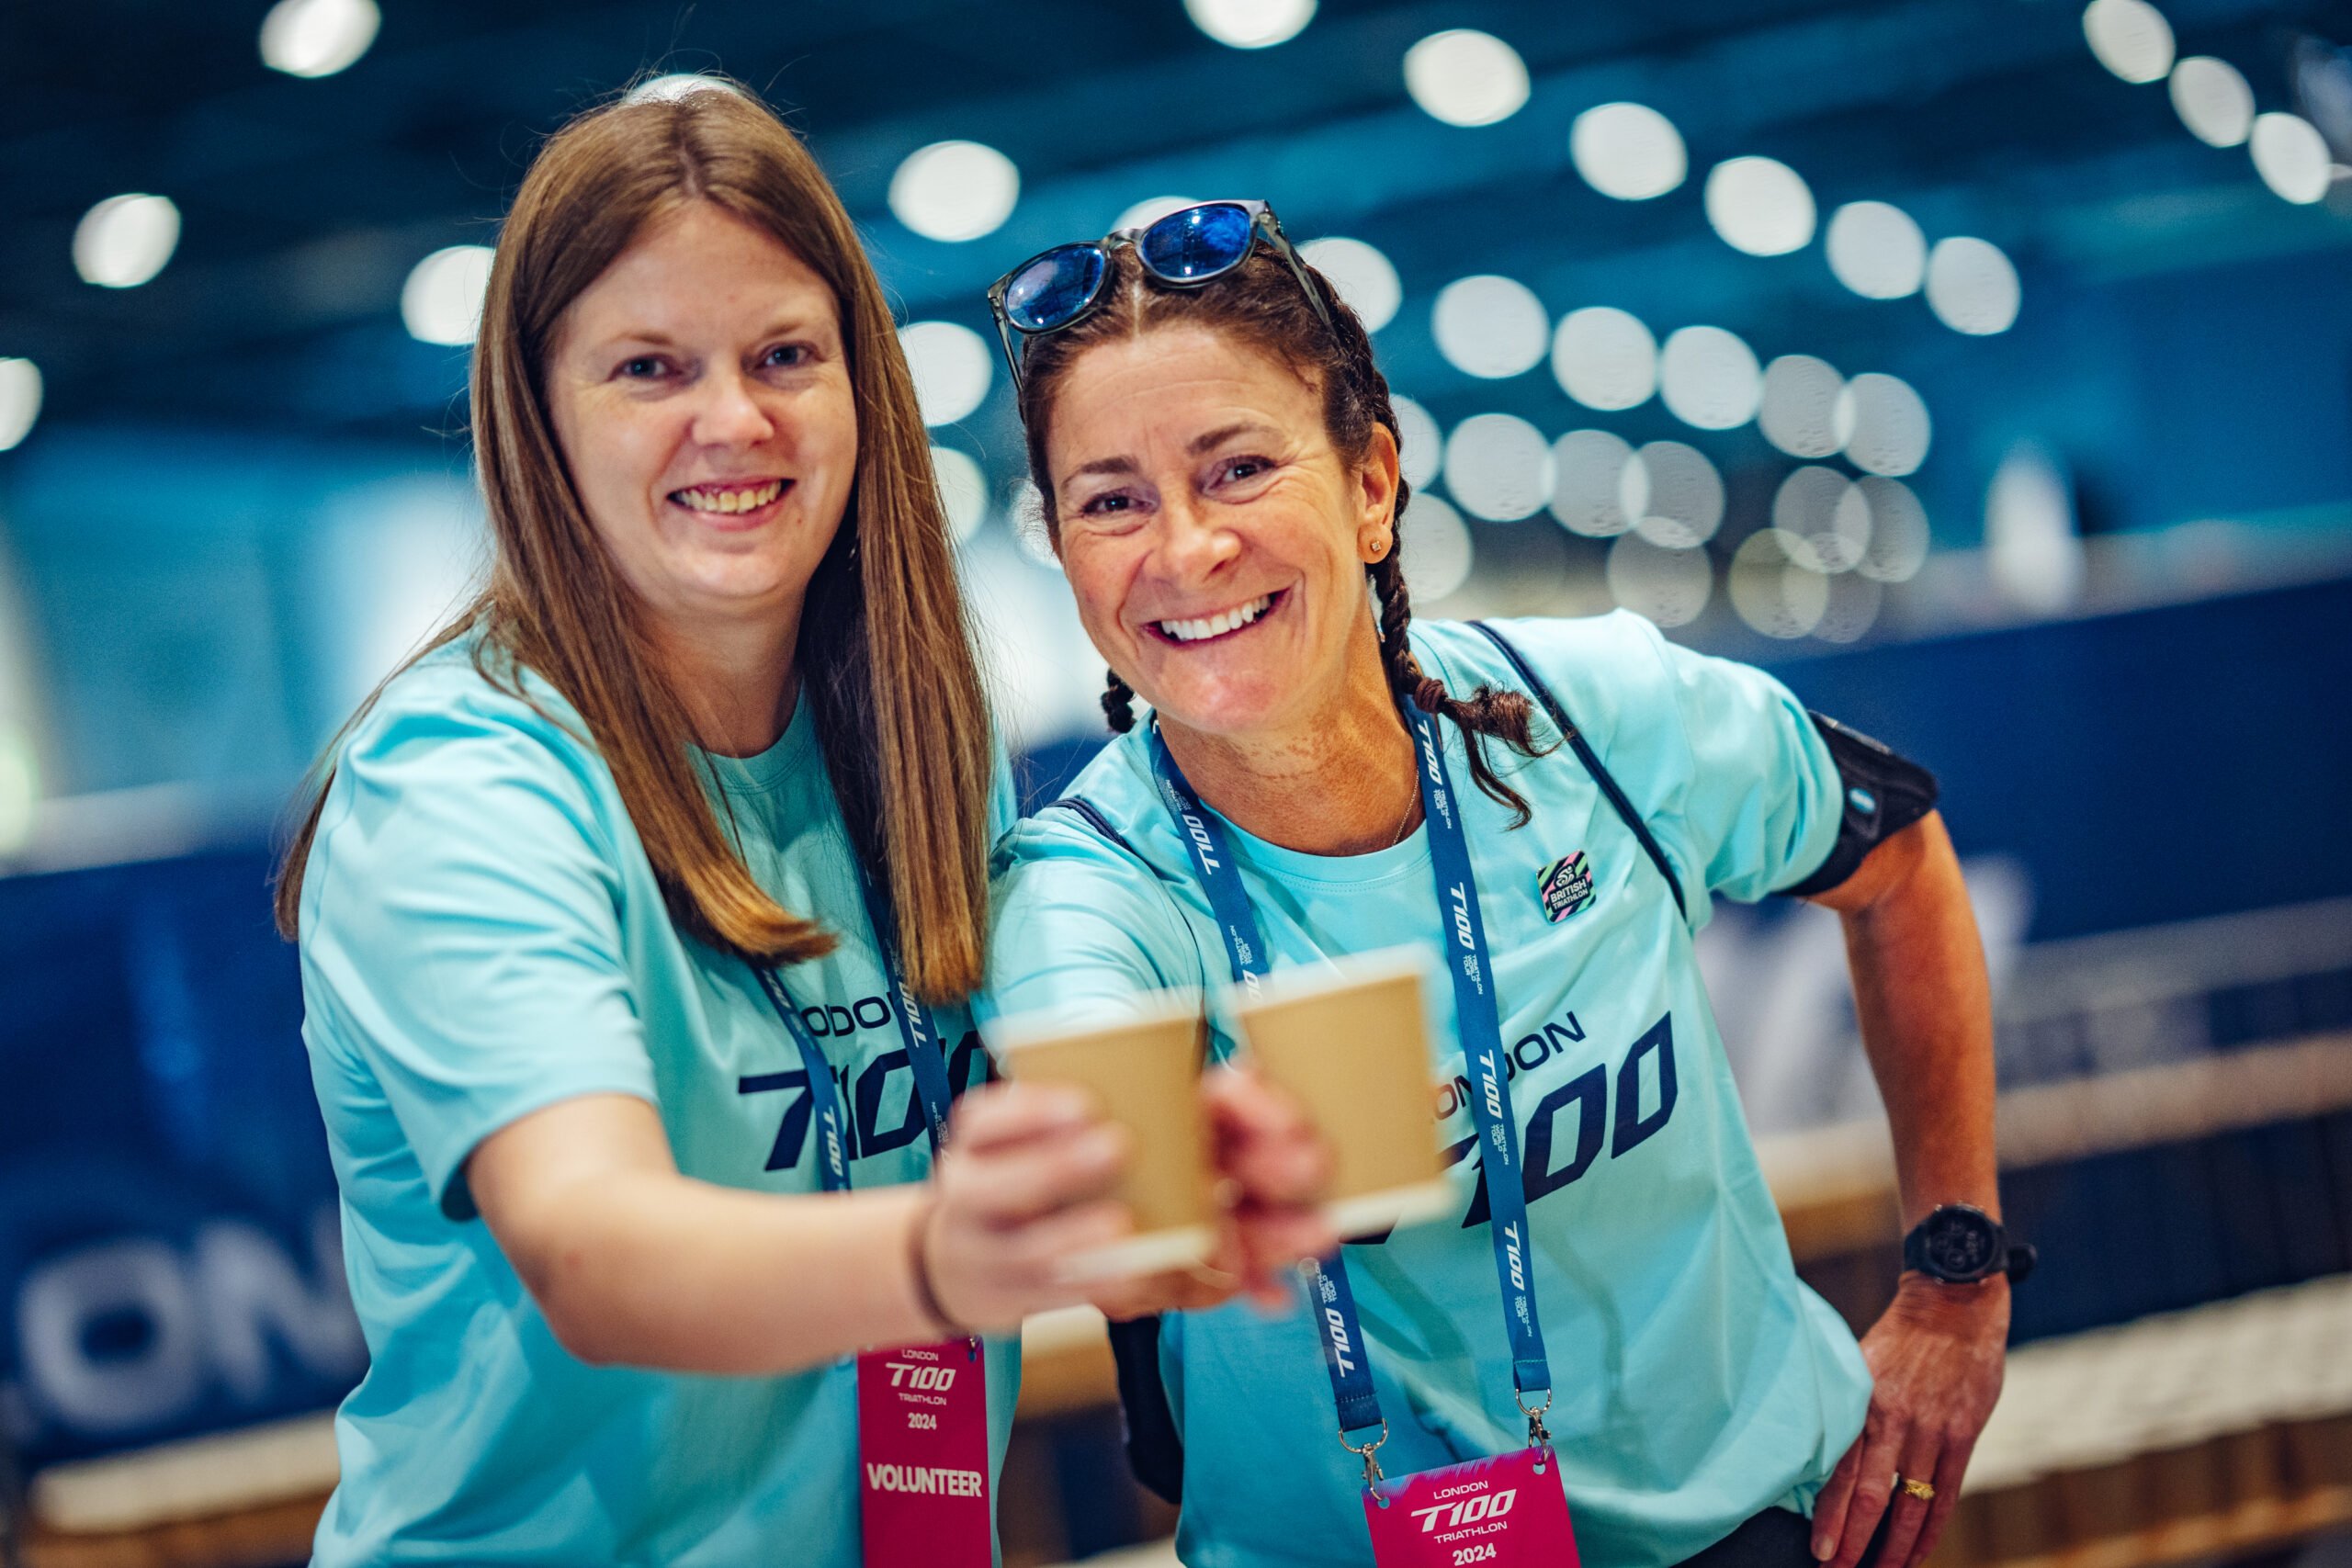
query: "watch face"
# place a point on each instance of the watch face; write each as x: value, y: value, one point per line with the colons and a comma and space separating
x: 1959, y: 1244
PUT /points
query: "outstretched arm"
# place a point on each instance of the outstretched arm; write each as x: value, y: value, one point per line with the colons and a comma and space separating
x: 636, y: 1264
x: 1935, y: 1357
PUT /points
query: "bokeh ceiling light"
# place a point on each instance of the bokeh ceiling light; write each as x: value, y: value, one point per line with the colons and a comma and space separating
x: 125, y: 240
x: 1599, y: 486
x: 1150, y: 210
x: 1250, y: 24
x: 1759, y: 205
x: 1826, y: 514
x: 19, y: 400
x: 1420, y: 444
x: 1365, y: 278
x: 1853, y: 605
x: 1025, y: 508
x: 1670, y: 587
x: 952, y: 366
x: 1627, y: 151
x: 2130, y: 37
x: 2292, y: 157
x: 963, y: 491
x: 676, y: 86
x: 954, y: 190
x: 1898, y: 533
x: 1798, y: 410
x: 1876, y: 250
x: 1972, y: 286
x: 1605, y: 358
x: 317, y: 37
x: 1465, y: 77
x: 1882, y: 424
x: 1708, y: 378
x: 1498, y: 466
x: 1685, y: 504
x: 1438, y: 551
x: 1771, y: 588
x: 441, y: 301
x: 2212, y: 99
x: 1489, y: 326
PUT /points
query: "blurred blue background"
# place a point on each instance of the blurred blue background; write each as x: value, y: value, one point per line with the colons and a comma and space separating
x: 1981, y: 366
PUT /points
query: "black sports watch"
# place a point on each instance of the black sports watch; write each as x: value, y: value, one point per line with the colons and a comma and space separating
x: 1959, y: 1244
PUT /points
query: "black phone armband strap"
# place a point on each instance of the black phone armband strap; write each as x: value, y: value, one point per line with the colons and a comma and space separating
x: 1882, y: 793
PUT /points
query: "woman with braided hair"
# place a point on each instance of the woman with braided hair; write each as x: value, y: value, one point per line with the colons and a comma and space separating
x: 1218, y: 461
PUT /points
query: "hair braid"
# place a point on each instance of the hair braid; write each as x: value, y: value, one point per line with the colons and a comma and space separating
x: 1505, y: 714
x: 1118, y: 704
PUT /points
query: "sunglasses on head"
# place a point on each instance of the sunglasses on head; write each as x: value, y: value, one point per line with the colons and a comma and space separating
x: 1189, y: 247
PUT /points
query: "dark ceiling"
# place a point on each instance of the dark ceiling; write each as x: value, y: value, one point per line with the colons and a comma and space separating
x: 305, y: 202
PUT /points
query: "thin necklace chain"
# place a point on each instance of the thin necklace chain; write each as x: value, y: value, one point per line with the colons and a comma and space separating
x: 1404, y: 823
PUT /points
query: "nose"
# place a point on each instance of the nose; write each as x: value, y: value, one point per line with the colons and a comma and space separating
x: 1194, y: 546
x: 728, y: 413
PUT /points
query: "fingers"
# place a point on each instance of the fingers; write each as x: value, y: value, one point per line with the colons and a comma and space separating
x: 1273, y: 1242
x: 1011, y: 1187
x: 999, y: 1113
x: 1276, y: 1168
x: 1950, y: 1469
x: 1873, y: 1480
x: 1264, y: 1140
x: 1836, y: 1497
x: 1906, y: 1514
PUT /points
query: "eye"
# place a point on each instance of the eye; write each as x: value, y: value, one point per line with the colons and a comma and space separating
x: 1233, y: 470
x: 1108, y: 504
x: 786, y: 356
x: 643, y: 368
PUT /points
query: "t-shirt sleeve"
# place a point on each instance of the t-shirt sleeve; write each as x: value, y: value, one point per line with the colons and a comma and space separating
x: 1760, y: 797
x: 1080, y: 926
x: 462, y: 925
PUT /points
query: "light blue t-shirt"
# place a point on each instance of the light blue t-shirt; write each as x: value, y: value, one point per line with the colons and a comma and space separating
x: 481, y: 938
x: 1697, y: 1381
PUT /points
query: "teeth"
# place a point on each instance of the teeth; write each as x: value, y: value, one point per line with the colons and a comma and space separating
x: 1217, y: 625
x: 739, y: 499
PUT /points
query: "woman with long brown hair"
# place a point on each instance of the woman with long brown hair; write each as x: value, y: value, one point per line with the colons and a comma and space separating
x: 637, y: 915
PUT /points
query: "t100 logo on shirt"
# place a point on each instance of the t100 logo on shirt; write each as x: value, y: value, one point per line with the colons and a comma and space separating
x: 1637, y: 1117
x: 864, y: 1091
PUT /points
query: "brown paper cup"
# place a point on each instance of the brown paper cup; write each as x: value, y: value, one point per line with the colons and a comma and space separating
x: 1142, y: 1071
x: 1349, y: 1039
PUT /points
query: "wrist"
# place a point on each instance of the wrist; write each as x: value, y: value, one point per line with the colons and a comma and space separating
x: 1975, y: 1305
x: 922, y: 1280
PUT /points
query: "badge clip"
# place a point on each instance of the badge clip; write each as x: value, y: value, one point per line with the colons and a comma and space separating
x: 1364, y: 1452
x: 1539, y: 1436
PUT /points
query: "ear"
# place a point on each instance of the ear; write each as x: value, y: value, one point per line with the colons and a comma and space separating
x: 1375, y: 497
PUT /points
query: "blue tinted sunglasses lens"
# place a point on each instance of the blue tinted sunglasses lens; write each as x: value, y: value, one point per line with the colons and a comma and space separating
x: 1054, y: 288
x: 1199, y: 241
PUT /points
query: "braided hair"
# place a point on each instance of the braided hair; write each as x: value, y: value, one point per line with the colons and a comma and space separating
x: 1259, y: 303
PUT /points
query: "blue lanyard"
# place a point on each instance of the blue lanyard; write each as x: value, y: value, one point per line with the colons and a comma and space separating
x: 925, y: 1056
x: 1477, y: 1021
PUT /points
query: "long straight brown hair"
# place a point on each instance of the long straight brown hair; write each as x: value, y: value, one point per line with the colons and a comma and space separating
x: 885, y: 655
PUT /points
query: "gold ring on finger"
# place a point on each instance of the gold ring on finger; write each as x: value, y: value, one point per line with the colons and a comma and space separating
x: 1914, y: 1487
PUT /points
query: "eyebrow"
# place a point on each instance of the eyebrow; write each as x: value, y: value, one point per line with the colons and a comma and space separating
x: 1207, y: 440
x: 783, y: 325
x: 1226, y: 433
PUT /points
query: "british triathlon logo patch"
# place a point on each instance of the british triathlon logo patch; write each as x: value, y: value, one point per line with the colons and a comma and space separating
x: 1565, y: 886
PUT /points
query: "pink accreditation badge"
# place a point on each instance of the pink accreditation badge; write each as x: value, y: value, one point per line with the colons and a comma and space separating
x: 1507, y: 1511
x: 922, y: 1452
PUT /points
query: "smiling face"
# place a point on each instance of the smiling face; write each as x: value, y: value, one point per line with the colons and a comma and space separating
x: 1214, y: 538
x: 701, y: 394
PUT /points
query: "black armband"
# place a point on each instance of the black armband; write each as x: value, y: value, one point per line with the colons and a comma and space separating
x: 1883, y: 791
